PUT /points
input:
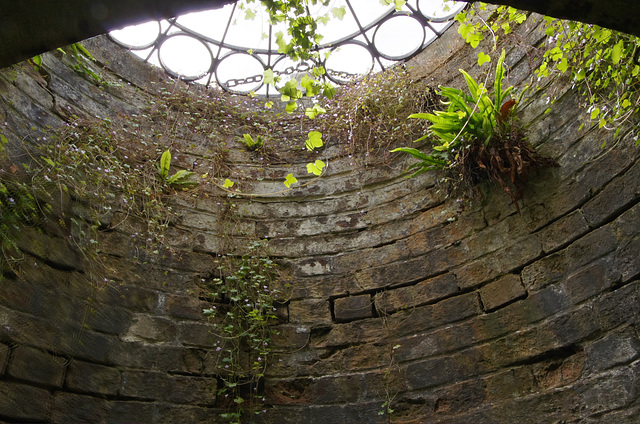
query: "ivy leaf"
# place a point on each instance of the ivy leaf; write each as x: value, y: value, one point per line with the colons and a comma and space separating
x: 249, y: 15
x: 314, y: 141
x: 314, y: 111
x: 268, y: 104
x: 616, y: 53
x: 269, y: 78
x: 563, y: 65
x: 228, y: 183
x: 339, y: 12
x: 594, y: 113
x: 315, y: 167
x: 483, y: 58
x: 289, y: 180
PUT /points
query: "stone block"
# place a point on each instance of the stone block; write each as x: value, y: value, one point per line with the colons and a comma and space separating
x: 78, y: 409
x: 591, y: 280
x: 52, y: 249
x: 290, y: 337
x: 4, y: 357
x: 432, y: 372
x: 421, y: 293
x: 167, y: 413
x: 617, y: 195
x: 108, y: 319
x: 563, y: 231
x: 619, y: 306
x: 147, y: 385
x: 24, y: 403
x: 611, y: 350
x: 36, y: 366
x: 189, y: 307
x: 423, y: 318
x: 130, y: 412
x: 150, y: 329
x: 191, y: 390
x: 504, y: 290
x: 132, y: 297
x: 92, y: 378
x: 552, y: 268
x: 313, y: 312
x: 198, y: 334
x: 352, y: 308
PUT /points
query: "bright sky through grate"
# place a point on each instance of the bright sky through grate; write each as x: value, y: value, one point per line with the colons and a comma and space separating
x: 222, y: 46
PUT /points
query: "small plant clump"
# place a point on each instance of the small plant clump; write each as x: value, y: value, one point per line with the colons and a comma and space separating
x: 370, y: 116
x: 478, y: 137
x: 243, y: 309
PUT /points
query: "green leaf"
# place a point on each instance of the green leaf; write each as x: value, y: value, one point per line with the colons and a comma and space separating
x: 228, y: 183
x: 616, y: 53
x: 289, y: 180
x: 165, y: 164
x: 315, y: 168
x: 314, y: 141
x: 594, y: 113
x: 483, y: 58
x: 339, y: 12
x: 269, y: 78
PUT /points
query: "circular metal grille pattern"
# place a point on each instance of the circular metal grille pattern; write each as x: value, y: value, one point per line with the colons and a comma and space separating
x: 234, y: 45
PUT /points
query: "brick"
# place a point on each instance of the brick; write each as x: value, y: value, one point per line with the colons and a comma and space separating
x: 611, y: 350
x: 198, y: 334
x: 619, y: 193
x: 426, y: 317
x: 131, y: 412
x: 340, y: 389
x: 424, y: 292
x: 352, y: 308
x: 552, y: 268
x: 92, y: 378
x: 151, y: 329
x: 147, y: 385
x: 504, y: 290
x: 563, y: 231
x: 72, y: 408
x: 4, y: 357
x: 24, y: 403
x: 167, y: 413
x: 314, y: 312
x: 432, y: 372
x: 617, y: 307
x: 37, y: 366
x: 592, y: 279
x: 191, y: 390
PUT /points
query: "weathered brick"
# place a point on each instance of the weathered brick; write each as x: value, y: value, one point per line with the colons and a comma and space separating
x: 198, y: 334
x: 617, y: 195
x: 151, y: 329
x: 432, y: 372
x: 167, y: 413
x: 552, y: 268
x: 4, y: 357
x: 36, y: 366
x: 611, y: 350
x: 24, y: 403
x: 147, y: 385
x: 592, y: 279
x: 314, y: 312
x: 504, y: 290
x: 619, y: 306
x: 352, y: 308
x: 563, y: 231
x: 340, y: 389
x: 191, y: 390
x: 73, y: 408
x: 426, y: 317
x: 91, y: 378
x: 424, y: 292
x: 131, y: 412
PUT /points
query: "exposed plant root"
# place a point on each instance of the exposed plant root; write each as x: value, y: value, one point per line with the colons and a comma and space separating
x: 507, y: 159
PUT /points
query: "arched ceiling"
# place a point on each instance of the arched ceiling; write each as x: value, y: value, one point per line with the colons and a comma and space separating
x: 30, y: 27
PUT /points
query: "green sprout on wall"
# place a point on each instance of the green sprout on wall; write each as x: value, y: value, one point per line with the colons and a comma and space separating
x: 478, y: 136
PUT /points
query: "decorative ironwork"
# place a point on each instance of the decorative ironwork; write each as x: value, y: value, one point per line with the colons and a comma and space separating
x: 372, y: 43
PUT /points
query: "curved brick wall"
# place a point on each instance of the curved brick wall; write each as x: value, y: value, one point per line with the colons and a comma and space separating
x: 458, y: 313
